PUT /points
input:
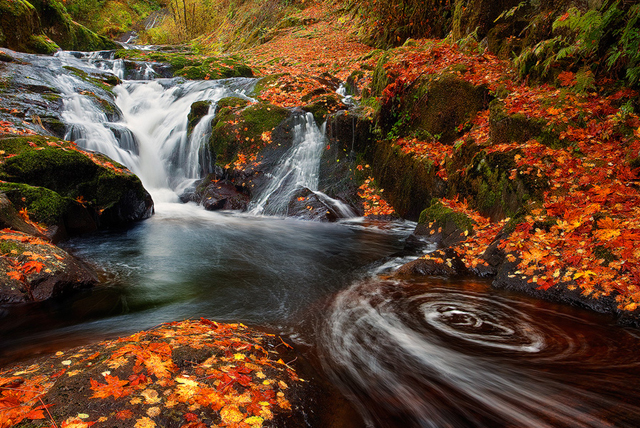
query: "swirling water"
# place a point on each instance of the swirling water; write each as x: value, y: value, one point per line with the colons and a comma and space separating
x: 423, y: 352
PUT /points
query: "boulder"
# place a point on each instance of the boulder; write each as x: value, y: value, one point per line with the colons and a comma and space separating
x: 222, y: 195
x: 444, y: 226
x: 28, y: 35
x: 439, y: 263
x: 32, y: 269
x: 63, y: 180
x: 307, y: 205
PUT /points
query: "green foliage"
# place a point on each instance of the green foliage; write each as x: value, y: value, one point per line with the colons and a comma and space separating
x: 606, y: 39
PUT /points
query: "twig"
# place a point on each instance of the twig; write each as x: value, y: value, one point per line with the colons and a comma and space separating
x: 48, y: 413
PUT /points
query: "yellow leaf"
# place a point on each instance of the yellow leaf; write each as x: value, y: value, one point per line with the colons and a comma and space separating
x: 231, y: 414
x: 145, y: 422
x: 254, y: 421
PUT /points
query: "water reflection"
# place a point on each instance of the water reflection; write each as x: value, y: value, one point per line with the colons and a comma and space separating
x: 186, y: 262
x: 439, y: 354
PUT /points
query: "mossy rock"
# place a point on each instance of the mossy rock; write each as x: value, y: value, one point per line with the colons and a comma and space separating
x: 324, y: 105
x: 444, y: 225
x: 43, y: 205
x: 113, y: 195
x: 215, y: 68
x: 58, y: 25
x: 238, y: 127
x: 409, y: 183
x: 495, y: 186
x: 59, y: 273
x: 27, y: 36
x: 435, y: 105
x: 198, y: 110
x: 509, y: 128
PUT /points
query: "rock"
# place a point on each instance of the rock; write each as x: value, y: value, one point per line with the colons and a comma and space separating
x: 242, y: 128
x: 32, y: 269
x: 9, y: 218
x: 443, y: 225
x: 27, y: 36
x: 439, y: 263
x: 493, y: 184
x: 307, y: 205
x: 222, y: 195
x: 69, y: 35
x: 322, y: 106
x: 437, y: 105
x: 106, y: 190
x: 198, y: 110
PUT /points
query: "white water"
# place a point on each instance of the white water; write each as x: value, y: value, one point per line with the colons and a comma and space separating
x: 298, y: 169
x: 150, y: 136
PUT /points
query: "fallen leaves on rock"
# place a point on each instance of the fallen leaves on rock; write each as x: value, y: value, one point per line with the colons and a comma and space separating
x: 198, y: 373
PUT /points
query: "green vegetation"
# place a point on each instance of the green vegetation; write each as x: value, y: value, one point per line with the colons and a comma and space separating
x: 605, y: 41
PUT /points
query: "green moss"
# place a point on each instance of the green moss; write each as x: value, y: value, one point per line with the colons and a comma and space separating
x: 438, y: 213
x: 67, y: 172
x: 44, y: 205
x: 322, y: 106
x: 7, y: 246
x: 238, y: 128
x: 43, y: 45
x: 198, y: 110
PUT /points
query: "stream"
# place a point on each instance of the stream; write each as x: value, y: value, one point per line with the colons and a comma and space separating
x: 430, y: 352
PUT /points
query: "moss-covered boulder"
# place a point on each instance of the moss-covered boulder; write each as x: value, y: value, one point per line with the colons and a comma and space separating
x: 198, y: 110
x: 31, y: 269
x: 443, y: 225
x: 509, y: 128
x: 241, y: 127
x: 438, y: 106
x: 58, y: 25
x: 495, y: 185
x: 20, y: 28
x: 108, y: 191
x: 322, y: 106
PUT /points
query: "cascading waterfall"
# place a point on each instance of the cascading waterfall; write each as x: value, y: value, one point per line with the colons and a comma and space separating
x: 147, y: 129
x: 298, y: 169
x: 147, y: 132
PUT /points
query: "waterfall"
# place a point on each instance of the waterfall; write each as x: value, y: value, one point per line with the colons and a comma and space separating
x: 146, y: 128
x: 299, y: 169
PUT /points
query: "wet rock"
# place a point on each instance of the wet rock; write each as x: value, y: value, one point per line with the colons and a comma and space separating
x: 31, y: 269
x: 222, y: 195
x: 9, y: 218
x: 307, y: 205
x: 198, y: 110
x: 444, y: 226
x: 108, y: 191
x: 33, y: 96
x: 439, y: 263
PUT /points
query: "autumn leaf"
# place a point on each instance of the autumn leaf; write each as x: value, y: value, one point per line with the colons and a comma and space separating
x: 114, y: 386
x: 145, y: 422
x: 231, y: 414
